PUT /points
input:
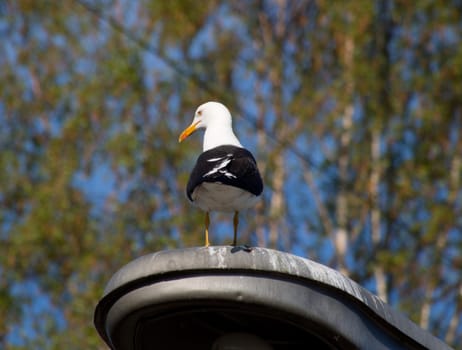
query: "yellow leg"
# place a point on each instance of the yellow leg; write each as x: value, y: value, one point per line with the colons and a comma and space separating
x: 207, y: 223
x: 235, y: 223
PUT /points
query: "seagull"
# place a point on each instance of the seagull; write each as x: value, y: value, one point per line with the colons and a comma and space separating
x: 225, y: 177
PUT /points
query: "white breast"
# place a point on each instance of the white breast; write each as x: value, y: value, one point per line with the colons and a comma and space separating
x: 212, y: 196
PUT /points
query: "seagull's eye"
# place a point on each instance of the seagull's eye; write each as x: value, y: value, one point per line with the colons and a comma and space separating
x: 199, y: 112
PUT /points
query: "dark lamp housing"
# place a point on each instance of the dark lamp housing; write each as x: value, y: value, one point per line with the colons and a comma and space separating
x: 236, y: 299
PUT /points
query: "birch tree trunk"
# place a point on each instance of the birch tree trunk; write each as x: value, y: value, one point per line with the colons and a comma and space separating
x: 376, y: 215
x: 341, y: 237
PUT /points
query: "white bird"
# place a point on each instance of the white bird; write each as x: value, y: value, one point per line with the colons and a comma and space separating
x: 225, y: 177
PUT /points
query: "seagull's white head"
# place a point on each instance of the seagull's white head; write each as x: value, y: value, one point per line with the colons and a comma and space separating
x: 215, y: 118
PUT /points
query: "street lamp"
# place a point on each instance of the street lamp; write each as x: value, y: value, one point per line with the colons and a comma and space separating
x: 232, y: 298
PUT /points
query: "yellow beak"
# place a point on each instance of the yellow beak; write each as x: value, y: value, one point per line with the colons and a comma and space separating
x: 188, y: 131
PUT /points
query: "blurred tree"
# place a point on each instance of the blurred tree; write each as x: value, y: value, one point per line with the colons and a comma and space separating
x: 352, y: 108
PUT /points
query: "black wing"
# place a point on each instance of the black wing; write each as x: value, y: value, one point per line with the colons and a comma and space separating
x: 229, y: 165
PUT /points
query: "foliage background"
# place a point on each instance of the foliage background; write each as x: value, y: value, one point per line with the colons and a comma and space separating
x: 353, y: 110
